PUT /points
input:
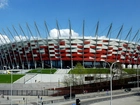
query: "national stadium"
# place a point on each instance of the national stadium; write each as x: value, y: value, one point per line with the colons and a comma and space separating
x: 62, y: 51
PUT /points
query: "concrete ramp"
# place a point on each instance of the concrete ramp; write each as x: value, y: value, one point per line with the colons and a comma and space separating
x: 62, y: 71
x: 26, y: 78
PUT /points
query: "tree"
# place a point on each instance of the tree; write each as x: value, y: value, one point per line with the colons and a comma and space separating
x: 76, y: 77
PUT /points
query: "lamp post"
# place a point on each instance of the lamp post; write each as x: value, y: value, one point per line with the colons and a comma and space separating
x: 11, y: 84
x: 111, y: 68
x: 111, y: 82
x: 138, y: 81
x: 70, y: 84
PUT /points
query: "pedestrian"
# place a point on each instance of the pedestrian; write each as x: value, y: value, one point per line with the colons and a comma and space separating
x: 2, y: 96
x: 107, y: 92
x: 7, y: 98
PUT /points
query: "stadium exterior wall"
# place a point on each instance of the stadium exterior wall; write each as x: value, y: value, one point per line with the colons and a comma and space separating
x: 65, y: 52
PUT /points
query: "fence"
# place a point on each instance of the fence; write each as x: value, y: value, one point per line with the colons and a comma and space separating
x: 28, y: 92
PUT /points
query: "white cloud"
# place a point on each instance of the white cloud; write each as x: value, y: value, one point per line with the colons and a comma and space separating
x: 4, y: 39
x: 3, y: 3
x: 102, y: 37
x: 20, y: 38
x: 34, y: 38
x: 63, y: 33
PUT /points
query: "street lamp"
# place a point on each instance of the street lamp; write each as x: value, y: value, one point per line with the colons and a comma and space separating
x: 11, y: 84
x: 138, y: 78
x: 111, y: 81
x: 111, y: 68
x: 70, y: 80
x: 70, y: 85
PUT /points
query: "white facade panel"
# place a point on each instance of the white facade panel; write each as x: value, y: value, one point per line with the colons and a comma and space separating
x: 34, y: 55
x: 103, y: 56
x: 68, y: 54
x: 52, y: 54
x: 91, y: 50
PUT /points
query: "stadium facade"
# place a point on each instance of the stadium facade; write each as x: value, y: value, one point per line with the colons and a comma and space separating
x: 64, y: 52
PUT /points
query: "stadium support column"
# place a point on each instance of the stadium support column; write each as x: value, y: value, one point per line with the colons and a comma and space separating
x: 22, y: 46
x: 83, y: 41
x: 108, y: 34
x: 11, y: 49
x: 35, y: 64
x: 127, y: 45
x: 31, y: 43
x: 4, y: 52
x: 35, y: 43
x: 119, y: 34
x: 132, y: 52
x: 16, y: 46
x: 4, y: 63
x: 1, y: 65
x: 96, y: 38
x: 22, y: 66
x: 38, y: 45
x: 48, y: 43
x: 8, y: 49
x: 59, y: 34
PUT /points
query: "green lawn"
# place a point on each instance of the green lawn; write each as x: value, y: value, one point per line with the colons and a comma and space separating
x: 90, y: 71
x: 98, y: 71
x: 6, y: 78
x: 43, y: 71
x: 131, y: 71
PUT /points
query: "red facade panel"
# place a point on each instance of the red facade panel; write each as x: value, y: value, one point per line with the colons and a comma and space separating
x: 105, y: 40
x: 80, y: 47
x: 62, y: 51
x: 104, y: 51
x: 43, y: 47
x: 86, y: 42
x: 80, y: 51
x: 99, y: 44
x: 93, y: 47
x: 119, y: 49
x: 125, y: 45
x: 110, y: 48
x: 62, y: 42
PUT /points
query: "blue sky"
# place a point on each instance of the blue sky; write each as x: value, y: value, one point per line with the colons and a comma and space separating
x: 118, y: 12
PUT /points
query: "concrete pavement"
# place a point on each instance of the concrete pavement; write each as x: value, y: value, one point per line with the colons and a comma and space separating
x: 85, y: 98
x: 133, y: 100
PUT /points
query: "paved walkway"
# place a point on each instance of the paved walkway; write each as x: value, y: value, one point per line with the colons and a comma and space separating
x: 133, y: 100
